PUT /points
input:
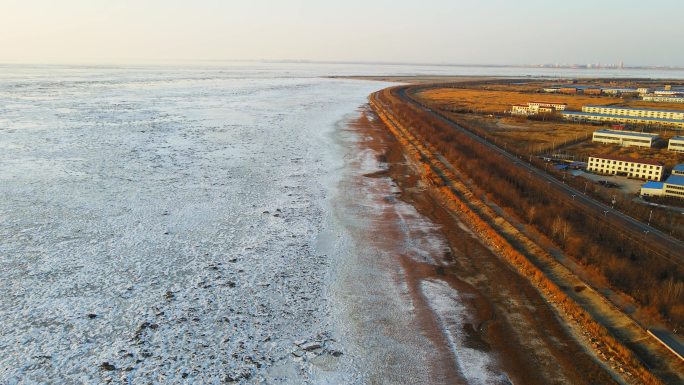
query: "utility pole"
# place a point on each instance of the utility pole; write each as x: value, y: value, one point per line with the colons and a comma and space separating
x: 649, y: 217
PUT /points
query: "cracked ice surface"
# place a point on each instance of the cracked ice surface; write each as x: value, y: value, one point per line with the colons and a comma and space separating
x: 161, y: 226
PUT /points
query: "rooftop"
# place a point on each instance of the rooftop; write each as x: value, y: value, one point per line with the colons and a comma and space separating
x: 653, y: 185
x: 634, y: 109
x: 624, y: 159
x: 675, y: 179
x: 552, y: 103
x: 579, y: 113
x: 619, y: 89
x: 677, y: 138
x: 679, y: 167
x: 627, y: 133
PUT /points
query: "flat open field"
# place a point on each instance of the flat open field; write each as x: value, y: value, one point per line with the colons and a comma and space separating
x: 526, y: 135
x: 493, y: 101
x: 486, y: 101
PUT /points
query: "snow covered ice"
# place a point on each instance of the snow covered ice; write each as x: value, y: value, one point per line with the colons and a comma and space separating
x: 208, y: 225
x: 159, y: 225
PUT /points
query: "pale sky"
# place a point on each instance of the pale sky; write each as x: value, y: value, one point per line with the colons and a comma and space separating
x: 428, y: 31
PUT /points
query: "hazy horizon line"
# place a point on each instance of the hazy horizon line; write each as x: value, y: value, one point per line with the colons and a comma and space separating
x: 134, y: 62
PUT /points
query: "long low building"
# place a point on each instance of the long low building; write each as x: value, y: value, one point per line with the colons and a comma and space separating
x: 663, y: 98
x: 519, y: 109
x: 624, y: 138
x: 629, y: 167
x: 618, y: 91
x: 534, y: 108
x: 652, y: 189
x: 636, y: 112
x: 669, y: 92
x: 674, y: 186
x: 555, y: 106
x: 676, y: 143
x: 593, y: 117
x: 678, y: 169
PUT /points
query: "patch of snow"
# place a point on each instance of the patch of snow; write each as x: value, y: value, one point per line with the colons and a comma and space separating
x: 162, y: 226
x: 476, y: 366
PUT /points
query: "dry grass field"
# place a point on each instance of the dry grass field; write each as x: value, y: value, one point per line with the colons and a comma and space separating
x: 497, y: 102
x: 526, y: 135
x: 497, y: 99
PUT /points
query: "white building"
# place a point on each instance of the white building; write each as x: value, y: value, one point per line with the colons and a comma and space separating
x: 633, y: 168
x: 652, y: 189
x: 663, y: 98
x: 674, y: 186
x: 624, y: 138
x: 519, y: 109
x: 578, y: 116
x: 636, y: 112
x: 555, y: 106
x: 678, y: 169
x: 669, y: 92
x: 676, y: 143
x: 618, y: 91
x: 534, y: 108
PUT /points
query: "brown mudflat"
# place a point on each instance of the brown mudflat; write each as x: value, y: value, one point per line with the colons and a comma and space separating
x: 512, y: 321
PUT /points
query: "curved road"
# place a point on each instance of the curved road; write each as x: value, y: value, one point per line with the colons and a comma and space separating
x: 661, y: 244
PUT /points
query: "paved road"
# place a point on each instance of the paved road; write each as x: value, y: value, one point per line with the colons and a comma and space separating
x: 662, y: 244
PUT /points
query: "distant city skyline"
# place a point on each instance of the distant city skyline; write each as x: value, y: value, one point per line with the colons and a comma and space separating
x: 494, y: 32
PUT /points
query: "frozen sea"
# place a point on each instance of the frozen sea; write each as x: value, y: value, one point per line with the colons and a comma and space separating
x: 160, y: 225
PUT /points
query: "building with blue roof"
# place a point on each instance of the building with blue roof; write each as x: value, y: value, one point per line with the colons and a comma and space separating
x: 674, y: 186
x: 678, y: 169
x: 642, y: 112
x: 676, y: 143
x: 624, y: 138
x: 597, y: 117
x: 652, y: 189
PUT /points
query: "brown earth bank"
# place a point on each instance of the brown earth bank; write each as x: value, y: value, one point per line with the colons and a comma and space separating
x: 514, y: 322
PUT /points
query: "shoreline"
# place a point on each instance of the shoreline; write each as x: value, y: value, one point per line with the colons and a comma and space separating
x: 523, y: 315
x: 502, y: 321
